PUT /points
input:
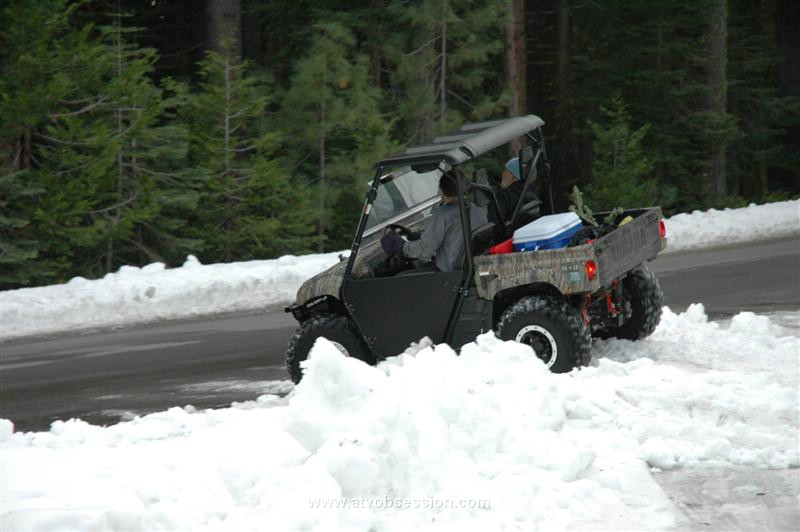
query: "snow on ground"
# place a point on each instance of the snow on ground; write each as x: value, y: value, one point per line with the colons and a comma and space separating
x: 427, y: 432
x: 153, y: 293
x: 704, y: 229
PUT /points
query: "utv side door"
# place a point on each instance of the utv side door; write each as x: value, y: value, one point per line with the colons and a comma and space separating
x: 394, y: 311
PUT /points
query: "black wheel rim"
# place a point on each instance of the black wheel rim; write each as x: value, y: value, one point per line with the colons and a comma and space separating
x: 541, y: 341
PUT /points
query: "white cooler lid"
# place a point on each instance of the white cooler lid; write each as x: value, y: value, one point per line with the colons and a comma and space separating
x: 547, y: 226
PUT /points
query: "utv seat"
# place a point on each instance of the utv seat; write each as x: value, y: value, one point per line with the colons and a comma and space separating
x: 483, y: 238
x: 484, y: 196
x: 527, y: 213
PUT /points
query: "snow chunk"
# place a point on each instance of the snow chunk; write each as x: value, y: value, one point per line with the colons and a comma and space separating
x: 6, y: 430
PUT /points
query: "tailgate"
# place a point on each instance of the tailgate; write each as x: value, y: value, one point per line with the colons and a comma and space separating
x: 630, y: 245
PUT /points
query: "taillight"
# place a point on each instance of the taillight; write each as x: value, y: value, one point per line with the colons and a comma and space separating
x: 591, y: 270
x: 662, y: 229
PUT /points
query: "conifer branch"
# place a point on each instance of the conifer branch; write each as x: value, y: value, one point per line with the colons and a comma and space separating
x: 243, y: 150
x: 59, y: 141
x: 117, y: 206
x: 462, y: 100
x: 148, y: 171
x: 81, y: 111
x: 421, y: 47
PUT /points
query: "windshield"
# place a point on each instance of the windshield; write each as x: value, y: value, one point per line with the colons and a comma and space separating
x: 402, y: 191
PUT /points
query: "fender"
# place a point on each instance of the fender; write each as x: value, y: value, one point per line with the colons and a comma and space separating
x: 324, y: 304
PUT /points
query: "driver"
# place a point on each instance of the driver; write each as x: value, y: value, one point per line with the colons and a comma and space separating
x: 443, y: 240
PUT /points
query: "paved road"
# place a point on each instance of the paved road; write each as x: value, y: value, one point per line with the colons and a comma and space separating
x: 758, y: 277
x: 108, y: 376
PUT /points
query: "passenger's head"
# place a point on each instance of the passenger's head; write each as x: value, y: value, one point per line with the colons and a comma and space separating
x: 447, y: 184
x: 511, y: 173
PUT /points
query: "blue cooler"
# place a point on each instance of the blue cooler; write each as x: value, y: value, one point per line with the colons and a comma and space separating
x: 547, y: 232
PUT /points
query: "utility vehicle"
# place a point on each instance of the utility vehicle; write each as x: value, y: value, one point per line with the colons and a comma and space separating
x: 372, y: 306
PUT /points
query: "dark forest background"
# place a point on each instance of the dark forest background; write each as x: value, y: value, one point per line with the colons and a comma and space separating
x: 141, y: 131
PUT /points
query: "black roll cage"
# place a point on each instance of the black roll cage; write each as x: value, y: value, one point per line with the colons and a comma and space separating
x: 448, y: 152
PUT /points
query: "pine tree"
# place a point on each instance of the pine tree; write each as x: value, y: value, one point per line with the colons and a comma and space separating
x: 18, y: 248
x: 52, y: 83
x: 115, y: 153
x: 654, y: 57
x: 145, y: 176
x: 249, y: 207
x: 765, y: 114
x: 332, y: 112
x: 447, y: 68
x: 515, y: 60
x: 89, y: 137
x: 622, y: 171
x: 720, y: 126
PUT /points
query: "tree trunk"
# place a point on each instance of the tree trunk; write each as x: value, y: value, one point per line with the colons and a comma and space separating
x: 659, y: 167
x: 227, y: 117
x: 115, y: 218
x: 26, y: 158
x: 376, y: 53
x: 562, y: 76
x: 567, y: 154
x: 227, y: 174
x: 252, y: 45
x: 516, y: 75
x: 718, y: 95
x: 224, y: 27
x: 321, y: 232
x: 443, y: 74
x: 788, y: 40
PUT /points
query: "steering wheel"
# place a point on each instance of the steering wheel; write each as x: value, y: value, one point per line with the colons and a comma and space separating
x: 399, y: 230
x: 395, y: 263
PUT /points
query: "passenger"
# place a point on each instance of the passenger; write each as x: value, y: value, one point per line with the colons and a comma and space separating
x: 443, y: 240
x: 511, y: 185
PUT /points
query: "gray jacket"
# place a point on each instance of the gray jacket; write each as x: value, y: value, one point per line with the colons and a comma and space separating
x: 443, y: 239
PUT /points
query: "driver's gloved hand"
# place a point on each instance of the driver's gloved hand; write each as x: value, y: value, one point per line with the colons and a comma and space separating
x: 414, y: 236
x: 392, y: 244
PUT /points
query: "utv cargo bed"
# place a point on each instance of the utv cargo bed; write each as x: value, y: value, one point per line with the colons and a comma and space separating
x: 578, y: 269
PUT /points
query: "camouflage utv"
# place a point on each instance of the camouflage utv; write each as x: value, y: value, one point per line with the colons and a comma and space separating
x: 372, y: 306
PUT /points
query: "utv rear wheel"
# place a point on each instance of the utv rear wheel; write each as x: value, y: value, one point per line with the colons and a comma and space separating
x: 642, y: 292
x: 337, y: 329
x: 554, y: 329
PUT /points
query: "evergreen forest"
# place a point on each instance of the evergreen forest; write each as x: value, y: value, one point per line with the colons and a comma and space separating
x: 136, y: 131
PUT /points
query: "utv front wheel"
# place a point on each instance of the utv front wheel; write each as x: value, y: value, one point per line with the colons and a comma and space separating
x: 642, y: 291
x: 337, y: 329
x: 554, y: 329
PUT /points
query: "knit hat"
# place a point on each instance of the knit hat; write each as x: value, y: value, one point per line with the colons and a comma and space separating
x: 513, y: 166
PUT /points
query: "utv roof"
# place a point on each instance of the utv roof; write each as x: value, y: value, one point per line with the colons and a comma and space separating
x: 468, y: 142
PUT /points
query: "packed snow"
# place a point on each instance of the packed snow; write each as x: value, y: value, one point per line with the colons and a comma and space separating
x: 487, y: 440
x: 154, y: 293
x: 712, y: 228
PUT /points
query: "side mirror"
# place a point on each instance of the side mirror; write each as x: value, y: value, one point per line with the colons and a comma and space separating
x: 479, y: 187
x: 525, y: 160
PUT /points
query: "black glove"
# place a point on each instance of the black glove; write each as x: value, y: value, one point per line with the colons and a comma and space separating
x: 414, y: 235
x: 392, y: 244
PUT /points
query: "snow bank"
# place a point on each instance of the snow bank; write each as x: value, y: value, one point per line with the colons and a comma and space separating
x: 426, y: 433
x: 152, y: 293
x: 705, y: 229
